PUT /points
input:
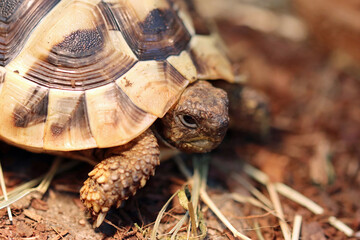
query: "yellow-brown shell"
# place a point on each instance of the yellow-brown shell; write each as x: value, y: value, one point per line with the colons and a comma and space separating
x: 80, y: 74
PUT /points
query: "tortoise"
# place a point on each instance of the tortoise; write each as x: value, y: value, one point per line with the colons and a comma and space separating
x: 87, y: 79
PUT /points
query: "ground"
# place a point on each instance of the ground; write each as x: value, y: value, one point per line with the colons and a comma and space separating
x: 313, y: 148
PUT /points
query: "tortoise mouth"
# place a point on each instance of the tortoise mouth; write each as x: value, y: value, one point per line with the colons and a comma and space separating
x: 197, y: 145
x: 203, y: 143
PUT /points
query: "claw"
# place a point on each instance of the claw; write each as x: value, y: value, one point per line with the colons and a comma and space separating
x: 99, y: 220
x: 118, y: 204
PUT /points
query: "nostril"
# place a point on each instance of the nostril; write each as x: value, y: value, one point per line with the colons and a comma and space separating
x: 224, y: 124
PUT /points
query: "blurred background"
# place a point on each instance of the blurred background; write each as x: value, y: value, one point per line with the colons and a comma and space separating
x: 305, y: 56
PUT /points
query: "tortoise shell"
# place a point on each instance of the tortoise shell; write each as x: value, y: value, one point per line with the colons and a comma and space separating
x: 80, y: 74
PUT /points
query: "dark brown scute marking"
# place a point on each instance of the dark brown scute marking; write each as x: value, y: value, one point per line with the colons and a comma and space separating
x: 156, y: 22
x: 34, y: 110
x: 160, y: 35
x: 7, y: 8
x: 171, y: 73
x: 79, y: 48
x: 81, y: 117
x: 126, y: 113
x: 127, y: 106
x: 2, y: 75
x: 200, y: 66
x: 81, y: 43
x: 200, y: 24
x: 78, y: 118
x: 17, y: 19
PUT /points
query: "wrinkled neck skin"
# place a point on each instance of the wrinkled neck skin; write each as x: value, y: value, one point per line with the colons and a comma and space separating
x: 199, y: 120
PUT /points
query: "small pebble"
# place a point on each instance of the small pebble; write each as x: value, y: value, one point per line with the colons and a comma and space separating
x: 82, y: 222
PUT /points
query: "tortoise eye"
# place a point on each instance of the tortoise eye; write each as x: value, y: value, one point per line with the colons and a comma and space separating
x: 188, y: 121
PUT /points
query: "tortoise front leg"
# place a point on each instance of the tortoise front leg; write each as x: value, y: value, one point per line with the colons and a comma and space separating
x: 123, y: 170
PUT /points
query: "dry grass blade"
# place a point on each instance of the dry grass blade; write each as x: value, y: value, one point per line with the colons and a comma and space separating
x: 177, y: 227
x: 298, y: 198
x: 3, y: 189
x: 184, y: 202
x: 297, y: 227
x: 192, y: 219
x: 44, y: 181
x: 258, y: 231
x: 284, y: 190
x: 160, y: 215
x: 201, y: 168
x: 201, y: 165
x: 183, y: 199
x: 207, y: 200
x: 189, y: 205
x: 277, y: 206
x: 341, y: 226
x: 245, y: 199
x: 253, y: 190
x: 180, y: 164
x: 295, y: 196
x: 256, y: 174
x: 41, y: 188
x: 197, y: 182
x: 264, y: 179
x: 21, y: 192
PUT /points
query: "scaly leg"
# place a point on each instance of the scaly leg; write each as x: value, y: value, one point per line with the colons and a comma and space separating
x: 124, y: 170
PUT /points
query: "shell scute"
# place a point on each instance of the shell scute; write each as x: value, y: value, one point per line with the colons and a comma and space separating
x: 148, y: 79
x: 152, y: 29
x: 23, y: 106
x: 33, y: 110
x: 67, y: 123
x: 17, y: 19
x: 210, y: 61
x: 114, y: 118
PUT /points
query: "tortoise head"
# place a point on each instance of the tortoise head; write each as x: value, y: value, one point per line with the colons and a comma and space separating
x: 199, y: 120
